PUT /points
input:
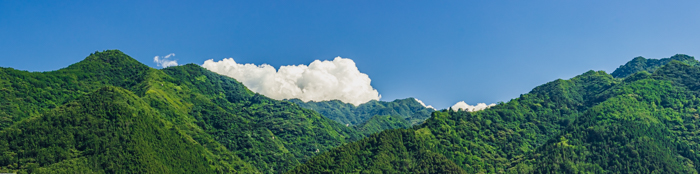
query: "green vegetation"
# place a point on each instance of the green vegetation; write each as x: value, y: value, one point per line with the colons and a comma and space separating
x: 491, y: 140
x: 648, y: 126
x: 110, y: 130
x: 379, y: 123
x: 221, y: 125
x: 592, y: 123
x: 391, y: 151
x: 373, y: 116
x: 271, y: 135
x: 112, y: 114
x: 24, y: 94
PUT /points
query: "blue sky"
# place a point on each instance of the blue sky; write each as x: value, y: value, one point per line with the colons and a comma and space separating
x: 440, y: 52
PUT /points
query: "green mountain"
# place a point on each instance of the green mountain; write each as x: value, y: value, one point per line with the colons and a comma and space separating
x: 111, y: 114
x: 647, y: 125
x: 373, y: 116
x: 197, y: 116
x: 592, y: 123
x: 490, y: 140
x: 650, y: 65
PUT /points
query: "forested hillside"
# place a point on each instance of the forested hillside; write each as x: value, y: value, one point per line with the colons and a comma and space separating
x: 270, y: 134
x: 373, y: 116
x: 490, y: 140
x: 214, y: 116
x: 110, y: 130
x: 391, y: 151
x: 645, y: 123
x: 649, y: 124
x: 111, y: 114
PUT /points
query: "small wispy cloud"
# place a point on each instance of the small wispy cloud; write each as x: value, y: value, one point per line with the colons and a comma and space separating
x: 466, y: 107
x: 164, y: 62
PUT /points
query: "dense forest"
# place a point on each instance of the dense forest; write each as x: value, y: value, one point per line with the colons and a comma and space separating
x: 391, y: 151
x: 111, y: 114
x: 107, y: 131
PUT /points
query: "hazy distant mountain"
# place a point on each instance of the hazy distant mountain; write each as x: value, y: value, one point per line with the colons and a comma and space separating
x: 372, y: 116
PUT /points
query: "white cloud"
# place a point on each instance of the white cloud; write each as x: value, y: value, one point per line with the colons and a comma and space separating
x: 466, y: 107
x: 162, y: 62
x: 319, y: 81
x: 421, y: 102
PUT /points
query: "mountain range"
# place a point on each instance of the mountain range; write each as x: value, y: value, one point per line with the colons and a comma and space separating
x: 592, y: 123
x: 111, y: 114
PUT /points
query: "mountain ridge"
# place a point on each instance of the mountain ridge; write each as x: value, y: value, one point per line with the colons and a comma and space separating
x: 650, y: 65
x: 351, y: 114
x: 221, y: 115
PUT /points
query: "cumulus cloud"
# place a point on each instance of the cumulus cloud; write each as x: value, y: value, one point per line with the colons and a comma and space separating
x: 164, y: 62
x: 421, y: 102
x: 319, y: 81
x: 466, y: 107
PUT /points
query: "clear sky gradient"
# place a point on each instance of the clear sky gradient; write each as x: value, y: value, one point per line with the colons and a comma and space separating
x: 440, y: 52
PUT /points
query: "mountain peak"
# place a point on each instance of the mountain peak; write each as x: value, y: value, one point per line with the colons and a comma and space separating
x: 109, y: 57
x: 111, y: 67
x: 650, y: 65
x: 682, y: 57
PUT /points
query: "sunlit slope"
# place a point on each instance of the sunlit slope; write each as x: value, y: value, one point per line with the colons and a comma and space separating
x: 24, y: 94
